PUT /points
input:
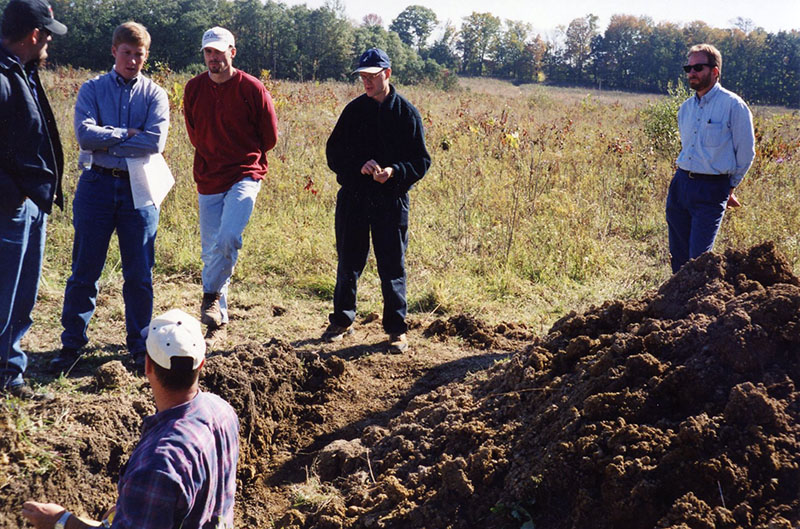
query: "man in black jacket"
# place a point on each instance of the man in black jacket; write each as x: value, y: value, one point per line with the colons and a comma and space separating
x: 31, y: 165
x: 377, y: 150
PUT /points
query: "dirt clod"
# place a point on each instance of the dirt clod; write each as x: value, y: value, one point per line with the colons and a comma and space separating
x: 111, y: 375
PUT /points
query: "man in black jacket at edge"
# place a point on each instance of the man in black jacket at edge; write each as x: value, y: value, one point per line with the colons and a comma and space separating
x: 377, y: 150
x: 31, y: 165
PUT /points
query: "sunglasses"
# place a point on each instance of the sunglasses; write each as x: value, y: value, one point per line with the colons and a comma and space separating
x: 696, y: 67
x: 369, y: 76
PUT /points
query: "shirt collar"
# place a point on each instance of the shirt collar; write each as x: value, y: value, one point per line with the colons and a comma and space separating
x: 169, y: 414
x: 709, y: 95
x: 121, y: 80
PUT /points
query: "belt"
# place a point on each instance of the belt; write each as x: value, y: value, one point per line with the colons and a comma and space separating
x: 704, y: 176
x: 116, y: 173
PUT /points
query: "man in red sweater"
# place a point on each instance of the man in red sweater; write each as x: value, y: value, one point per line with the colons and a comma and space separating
x: 232, y: 124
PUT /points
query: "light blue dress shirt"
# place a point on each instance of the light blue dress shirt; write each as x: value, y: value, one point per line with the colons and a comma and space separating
x: 716, y: 135
x: 108, y: 106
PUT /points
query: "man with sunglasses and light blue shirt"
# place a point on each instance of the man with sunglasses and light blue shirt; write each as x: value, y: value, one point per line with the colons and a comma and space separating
x: 717, y: 149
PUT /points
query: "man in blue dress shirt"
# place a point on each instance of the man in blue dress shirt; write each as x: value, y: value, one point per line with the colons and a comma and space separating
x: 119, y: 115
x: 717, y: 148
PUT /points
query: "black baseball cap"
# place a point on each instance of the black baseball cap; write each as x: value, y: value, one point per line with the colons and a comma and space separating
x: 373, y: 61
x: 32, y: 14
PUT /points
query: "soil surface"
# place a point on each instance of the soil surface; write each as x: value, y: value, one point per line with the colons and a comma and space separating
x: 676, y: 410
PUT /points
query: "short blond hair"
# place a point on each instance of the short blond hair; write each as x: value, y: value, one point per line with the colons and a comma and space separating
x: 713, y: 56
x: 131, y: 33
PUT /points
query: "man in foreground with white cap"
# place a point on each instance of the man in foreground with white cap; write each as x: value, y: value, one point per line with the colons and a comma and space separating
x: 232, y: 124
x: 182, y: 473
x: 377, y: 150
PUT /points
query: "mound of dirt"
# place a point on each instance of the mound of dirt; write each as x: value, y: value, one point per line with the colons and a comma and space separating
x: 278, y: 396
x: 677, y: 410
x: 477, y: 333
x: 70, y: 451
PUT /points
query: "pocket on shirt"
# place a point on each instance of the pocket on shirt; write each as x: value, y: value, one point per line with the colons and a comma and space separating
x: 712, y: 134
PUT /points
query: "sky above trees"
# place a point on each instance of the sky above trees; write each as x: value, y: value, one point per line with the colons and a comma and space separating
x: 545, y: 16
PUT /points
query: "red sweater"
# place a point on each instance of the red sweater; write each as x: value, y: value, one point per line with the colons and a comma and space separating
x: 232, y: 125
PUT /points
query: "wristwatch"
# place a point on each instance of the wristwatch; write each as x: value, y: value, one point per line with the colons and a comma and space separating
x: 61, y: 523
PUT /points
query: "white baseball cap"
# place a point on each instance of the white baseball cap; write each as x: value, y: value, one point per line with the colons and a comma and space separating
x: 175, y: 334
x: 218, y: 38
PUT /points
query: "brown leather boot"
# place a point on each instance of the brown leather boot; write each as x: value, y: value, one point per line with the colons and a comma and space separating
x: 210, y: 311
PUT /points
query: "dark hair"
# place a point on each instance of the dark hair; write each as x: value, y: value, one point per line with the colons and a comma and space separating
x: 14, y: 30
x: 180, y: 377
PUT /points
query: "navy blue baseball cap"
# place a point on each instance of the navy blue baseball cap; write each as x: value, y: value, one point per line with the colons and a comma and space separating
x: 373, y: 61
x: 32, y: 14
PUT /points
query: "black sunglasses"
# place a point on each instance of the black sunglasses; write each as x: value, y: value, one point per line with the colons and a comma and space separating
x: 696, y: 67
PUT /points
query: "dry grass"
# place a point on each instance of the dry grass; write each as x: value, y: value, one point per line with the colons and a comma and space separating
x: 540, y: 200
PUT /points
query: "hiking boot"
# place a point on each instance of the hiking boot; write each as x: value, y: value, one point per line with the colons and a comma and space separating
x: 335, y: 333
x: 398, y: 343
x: 65, y: 361
x: 210, y: 311
x: 23, y: 391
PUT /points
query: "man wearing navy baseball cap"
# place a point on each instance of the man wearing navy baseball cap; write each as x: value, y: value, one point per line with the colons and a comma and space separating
x: 377, y: 150
x: 31, y: 165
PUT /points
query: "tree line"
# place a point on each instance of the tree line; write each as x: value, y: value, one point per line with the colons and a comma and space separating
x: 298, y: 43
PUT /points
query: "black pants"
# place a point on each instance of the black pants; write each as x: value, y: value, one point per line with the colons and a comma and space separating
x: 385, y: 216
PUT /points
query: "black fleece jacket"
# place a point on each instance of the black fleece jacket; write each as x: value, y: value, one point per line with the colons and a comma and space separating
x: 31, y: 159
x: 390, y: 132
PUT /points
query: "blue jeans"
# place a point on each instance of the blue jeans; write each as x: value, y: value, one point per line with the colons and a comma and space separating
x: 223, y: 218
x: 103, y: 204
x: 22, y: 236
x: 385, y: 218
x: 694, y: 214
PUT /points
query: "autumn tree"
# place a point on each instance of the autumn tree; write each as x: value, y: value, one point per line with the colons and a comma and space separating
x: 478, y: 34
x: 578, y: 44
x: 414, y: 25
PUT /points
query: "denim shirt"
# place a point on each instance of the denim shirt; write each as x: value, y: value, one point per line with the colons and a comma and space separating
x: 108, y: 106
x: 716, y: 135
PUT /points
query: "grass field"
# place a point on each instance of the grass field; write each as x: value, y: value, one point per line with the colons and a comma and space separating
x: 540, y: 200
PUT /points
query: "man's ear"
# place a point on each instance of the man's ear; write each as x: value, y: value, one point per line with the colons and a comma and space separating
x: 233, y: 53
x: 34, y: 36
x: 388, y: 72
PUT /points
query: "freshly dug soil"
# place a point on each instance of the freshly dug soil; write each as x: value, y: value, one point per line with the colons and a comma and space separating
x: 678, y: 410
